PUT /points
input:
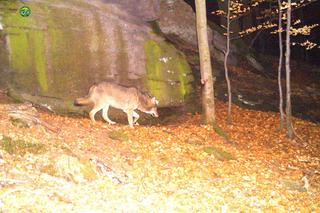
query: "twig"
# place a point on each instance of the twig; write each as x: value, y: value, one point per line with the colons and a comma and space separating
x: 32, y: 119
x: 13, y: 191
x: 105, y: 170
x: 295, y: 133
x: 255, y: 38
x: 6, y: 182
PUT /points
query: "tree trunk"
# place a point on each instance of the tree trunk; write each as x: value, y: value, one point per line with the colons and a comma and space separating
x: 280, y: 67
x: 288, y: 73
x: 229, y: 118
x: 205, y: 63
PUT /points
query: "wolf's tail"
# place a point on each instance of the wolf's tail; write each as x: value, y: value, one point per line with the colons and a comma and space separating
x: 82, y: 101
x: 85, y: 100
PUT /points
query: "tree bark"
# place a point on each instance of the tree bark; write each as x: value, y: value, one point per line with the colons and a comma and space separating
x: 290, y: 130
x: 229, y: 118
x: 280, y: 67
x: 205, y: 63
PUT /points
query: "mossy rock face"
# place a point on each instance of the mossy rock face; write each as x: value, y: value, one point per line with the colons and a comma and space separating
x: 168, y: 73
x: 64, y: 47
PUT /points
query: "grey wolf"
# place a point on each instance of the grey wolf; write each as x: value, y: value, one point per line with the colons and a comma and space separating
x: 105, y: 94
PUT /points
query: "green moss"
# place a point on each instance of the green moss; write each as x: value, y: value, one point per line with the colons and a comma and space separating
x: 20, y: 58
x: 184, y: 69
x: 293, y: 185
x: 17, y: 122
x: 20, y: 147
x: 26, y: 46
x: 98, y: 55
x: 87, y: 170
x: 168, y: 73
x: 153, y: 68
x: 39, y: 60
x: 119, y: 135
x: 43, y: 48
x: 218, y: 153
x: 58, y: 41
x: 155, y: 27
x: 57, y: 105
x: 68, y: 51
x: 220, y: 131
x: 12, y: 16
x: 122, y: 57
x: 153, y: 54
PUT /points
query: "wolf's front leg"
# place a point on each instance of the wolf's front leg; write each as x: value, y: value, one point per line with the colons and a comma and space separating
x: 136, y: 117
x: 130, y: 117
x: 105, y: 115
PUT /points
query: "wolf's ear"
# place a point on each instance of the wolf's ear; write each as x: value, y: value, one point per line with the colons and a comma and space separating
x: 154, y: 101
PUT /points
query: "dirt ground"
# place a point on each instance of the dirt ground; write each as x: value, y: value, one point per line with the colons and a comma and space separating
x: 51, y: 163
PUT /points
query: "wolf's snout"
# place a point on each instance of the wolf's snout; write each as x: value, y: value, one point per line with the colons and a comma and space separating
x: 155, y: 114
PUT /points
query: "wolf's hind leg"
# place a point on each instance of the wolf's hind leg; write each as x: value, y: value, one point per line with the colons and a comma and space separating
x: 95, y: 109
x: 135, y: 117
x: 105, y: 115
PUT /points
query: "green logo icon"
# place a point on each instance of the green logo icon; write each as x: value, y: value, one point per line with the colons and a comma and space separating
x: 25, y: 11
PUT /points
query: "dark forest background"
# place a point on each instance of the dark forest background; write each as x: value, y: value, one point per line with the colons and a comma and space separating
x: 266, y: 43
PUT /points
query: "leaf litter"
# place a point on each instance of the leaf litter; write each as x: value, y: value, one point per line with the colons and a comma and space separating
x: 174, y: 166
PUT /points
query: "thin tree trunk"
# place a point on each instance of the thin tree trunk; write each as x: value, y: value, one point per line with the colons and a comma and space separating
x: 229, y: 118
x: 205, y: 63
x: 288, y: 72
x: 280, y: 67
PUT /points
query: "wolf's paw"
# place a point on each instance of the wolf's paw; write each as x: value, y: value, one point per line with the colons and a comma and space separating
x: 136, y: 123
x: 111, y: 122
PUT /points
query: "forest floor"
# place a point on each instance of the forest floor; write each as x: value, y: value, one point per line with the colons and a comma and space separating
x: 51, y: 163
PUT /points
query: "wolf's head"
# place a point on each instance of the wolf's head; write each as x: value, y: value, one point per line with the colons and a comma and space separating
x: 148, y: 105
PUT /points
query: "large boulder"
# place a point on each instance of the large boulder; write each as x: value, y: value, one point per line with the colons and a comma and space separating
x: 177, y: 21
x: 56, y: 53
